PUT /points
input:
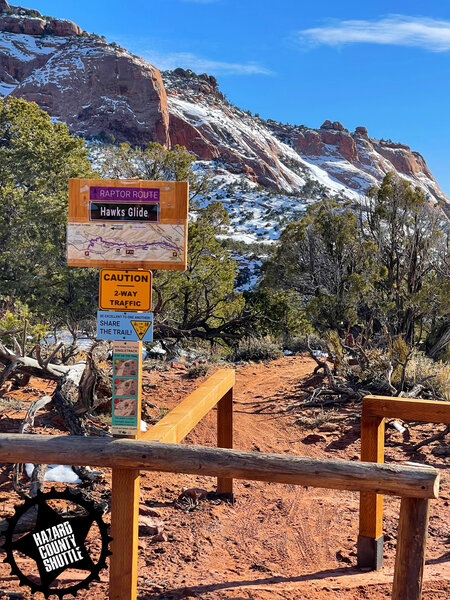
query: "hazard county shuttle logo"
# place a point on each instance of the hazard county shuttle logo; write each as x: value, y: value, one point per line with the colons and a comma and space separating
x: 57, y: 543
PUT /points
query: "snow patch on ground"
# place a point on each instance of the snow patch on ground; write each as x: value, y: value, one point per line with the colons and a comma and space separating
x: 6, y: 88
x: 60, y: 473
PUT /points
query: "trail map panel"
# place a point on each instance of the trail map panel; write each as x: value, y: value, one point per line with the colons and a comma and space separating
x: 95, y: 244
x: 127, y: 237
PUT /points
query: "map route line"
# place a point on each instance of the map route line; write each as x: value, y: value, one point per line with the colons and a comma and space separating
x: 90, y: 242
x: 144, y: 246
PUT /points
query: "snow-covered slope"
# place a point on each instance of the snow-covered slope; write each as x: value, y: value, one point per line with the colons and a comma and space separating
x: 281, y: 156
x: 102, y: 90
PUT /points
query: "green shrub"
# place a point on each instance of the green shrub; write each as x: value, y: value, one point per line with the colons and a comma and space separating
x: 256, y: 350
x: 299, y: 344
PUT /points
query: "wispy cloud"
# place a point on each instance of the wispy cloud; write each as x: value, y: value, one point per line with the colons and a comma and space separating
x: 187, y: 60
x: 396, y: 30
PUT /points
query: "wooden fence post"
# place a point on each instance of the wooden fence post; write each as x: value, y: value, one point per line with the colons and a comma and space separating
x: 124, y: 531
x: 225, y: 437
x: 411, y: 543
x: 370, y: 538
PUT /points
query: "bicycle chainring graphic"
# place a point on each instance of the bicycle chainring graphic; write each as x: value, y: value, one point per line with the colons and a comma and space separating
x: 56, y: 543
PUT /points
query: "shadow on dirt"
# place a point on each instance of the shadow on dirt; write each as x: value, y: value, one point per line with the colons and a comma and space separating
x: 437, y: 561
x: 349, y: 437
x: 198, y: 590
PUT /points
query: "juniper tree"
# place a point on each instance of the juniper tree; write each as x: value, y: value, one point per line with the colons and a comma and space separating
x: 36, y: 159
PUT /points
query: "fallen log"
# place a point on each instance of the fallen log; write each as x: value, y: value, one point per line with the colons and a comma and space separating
x: 31, y: 366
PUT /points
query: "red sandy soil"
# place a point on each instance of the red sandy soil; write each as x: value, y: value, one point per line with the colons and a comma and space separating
x: 277, y: 541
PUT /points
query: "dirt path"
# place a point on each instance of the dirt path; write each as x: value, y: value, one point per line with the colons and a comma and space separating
x: 276, y: 541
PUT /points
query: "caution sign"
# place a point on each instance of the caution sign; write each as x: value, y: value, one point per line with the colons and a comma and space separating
x: 125, y: 290
x: 141, y: 328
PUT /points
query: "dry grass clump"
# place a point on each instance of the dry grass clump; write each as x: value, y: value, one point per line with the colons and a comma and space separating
x: 434, y: 375
x: 198, y: 370
x: 314, y: 421
x: 7, y: 404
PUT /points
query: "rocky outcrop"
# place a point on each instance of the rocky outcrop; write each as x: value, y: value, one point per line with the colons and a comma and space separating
x: 331, y: 136
x: 63, y: 27
x: 361, y: 131
x: 101, y: 90
x: 335, y: 126
x: 185, y: 134
x: 98, y: 89
x: 27, y: 25
x: 16, y: 19
x: 284, y: 156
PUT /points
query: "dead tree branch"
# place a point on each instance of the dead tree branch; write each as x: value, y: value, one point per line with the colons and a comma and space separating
x: 31, y: 366
x: 438, y: 436
x: 37, y: 478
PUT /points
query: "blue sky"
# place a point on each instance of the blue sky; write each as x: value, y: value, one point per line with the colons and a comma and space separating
x: 381, y: 64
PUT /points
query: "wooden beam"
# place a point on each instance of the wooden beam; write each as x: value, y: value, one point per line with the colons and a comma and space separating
x: 225, y: 437
x: 175, y: 426
x: 411, y: 543
x: 124, y: 531
x: 370, y: 540
x: 409, y: 409
x: 414, y: 482
x: 372, y: 450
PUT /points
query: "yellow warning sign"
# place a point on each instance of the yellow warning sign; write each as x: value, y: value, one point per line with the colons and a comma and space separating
x: 125, y: 290
x: 141, y: 327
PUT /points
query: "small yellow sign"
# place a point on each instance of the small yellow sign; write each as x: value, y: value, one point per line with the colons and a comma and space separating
x: 141, y: 327
x: 125, y: 290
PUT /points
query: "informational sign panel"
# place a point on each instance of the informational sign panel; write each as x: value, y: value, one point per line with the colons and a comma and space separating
x: 125, y: 290
x: 127, y: 224
x: 124, y: 326
x: 127, y: 385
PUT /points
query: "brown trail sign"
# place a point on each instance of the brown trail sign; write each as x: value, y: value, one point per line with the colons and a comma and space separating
x: 127, y: 223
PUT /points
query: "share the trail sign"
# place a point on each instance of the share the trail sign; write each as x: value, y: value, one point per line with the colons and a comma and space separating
x: 127, y: 224
x: 124, y: 326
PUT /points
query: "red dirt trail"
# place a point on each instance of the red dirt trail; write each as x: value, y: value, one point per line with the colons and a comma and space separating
x: 277, y: 541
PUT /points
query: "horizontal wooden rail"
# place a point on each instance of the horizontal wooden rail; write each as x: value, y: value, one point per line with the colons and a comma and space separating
x: 408, y: 409
x: 197, y: 460
x: 175, y: 426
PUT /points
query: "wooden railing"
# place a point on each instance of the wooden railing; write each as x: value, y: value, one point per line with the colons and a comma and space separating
x: 173, y: 428
x: 375, y: 410
x: 416, y: 486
